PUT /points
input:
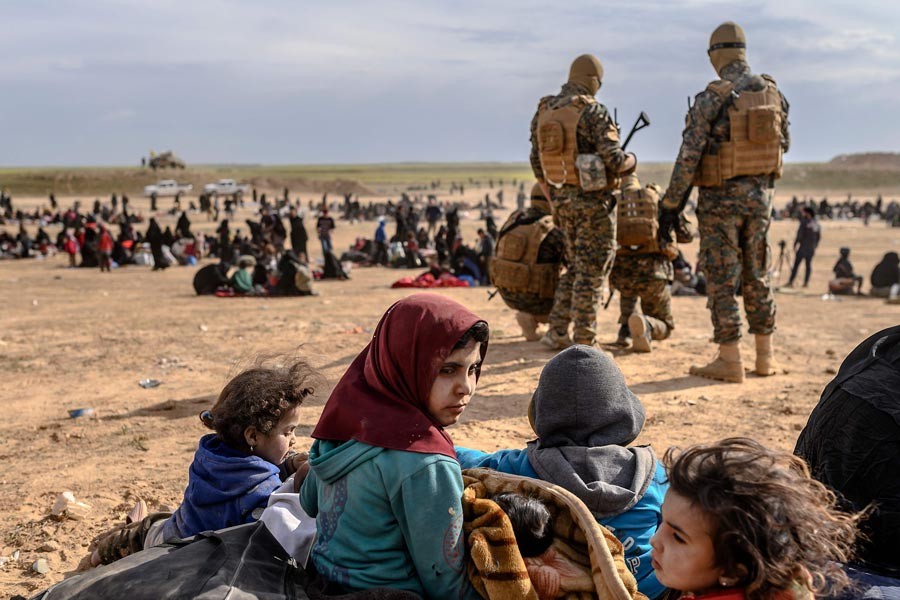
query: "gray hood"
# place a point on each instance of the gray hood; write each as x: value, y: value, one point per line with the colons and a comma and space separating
x: 585, y: 416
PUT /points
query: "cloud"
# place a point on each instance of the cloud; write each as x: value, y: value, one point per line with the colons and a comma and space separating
x: 282, y: 81
x: 119, y: 114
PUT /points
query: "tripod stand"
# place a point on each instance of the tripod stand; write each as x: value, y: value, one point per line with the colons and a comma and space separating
x: 784, y: 260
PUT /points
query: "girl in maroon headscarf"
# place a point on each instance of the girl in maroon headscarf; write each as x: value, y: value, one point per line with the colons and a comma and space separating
x: 384, y: 483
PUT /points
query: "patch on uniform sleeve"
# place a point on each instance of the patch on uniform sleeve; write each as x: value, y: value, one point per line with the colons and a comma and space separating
x: 609, y: 129
x: 721, y: 88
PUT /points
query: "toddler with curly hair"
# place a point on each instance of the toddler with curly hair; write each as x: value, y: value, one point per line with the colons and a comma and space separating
x: 234, y: 469
x: 741, y: 521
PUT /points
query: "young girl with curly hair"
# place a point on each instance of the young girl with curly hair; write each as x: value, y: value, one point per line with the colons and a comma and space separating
x: 741, y: 521
x: 236, y: 468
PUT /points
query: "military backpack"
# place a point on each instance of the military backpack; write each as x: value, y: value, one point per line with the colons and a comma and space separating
x: 636, y: 215
x: 515, y: 267
x: 754, y: 139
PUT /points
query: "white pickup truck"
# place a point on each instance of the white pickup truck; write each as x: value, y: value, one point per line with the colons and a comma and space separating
x: 227, y: 188
x: 166, y: 187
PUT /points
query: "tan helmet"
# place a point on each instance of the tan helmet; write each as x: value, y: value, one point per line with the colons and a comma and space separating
x: 538, y: 200
x: 587, y: 71
x: 726, y: 45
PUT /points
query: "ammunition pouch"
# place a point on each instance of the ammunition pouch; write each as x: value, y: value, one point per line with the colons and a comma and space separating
x: 591, y: 172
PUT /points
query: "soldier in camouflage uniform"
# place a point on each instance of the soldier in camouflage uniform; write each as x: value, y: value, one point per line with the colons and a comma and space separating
x: 732, y: 149
x: 643, y: 271
x: 572, y: 128
x: 533, y: 306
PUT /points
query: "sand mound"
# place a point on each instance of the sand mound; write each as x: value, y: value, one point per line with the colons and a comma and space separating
x: 868, y: 160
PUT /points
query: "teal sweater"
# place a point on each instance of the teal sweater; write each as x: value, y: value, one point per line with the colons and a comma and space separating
x: 387, y: 518
x: 242, y: 281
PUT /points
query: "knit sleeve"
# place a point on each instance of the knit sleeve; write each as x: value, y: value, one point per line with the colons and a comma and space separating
x: 309, y: 494
x: 428, y: 507
x: 514, y: 462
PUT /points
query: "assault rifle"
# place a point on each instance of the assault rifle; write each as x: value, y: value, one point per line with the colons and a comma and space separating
x: 642, y: 121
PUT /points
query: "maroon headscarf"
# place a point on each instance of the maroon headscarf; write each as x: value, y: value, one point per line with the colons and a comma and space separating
x: 382, y: 398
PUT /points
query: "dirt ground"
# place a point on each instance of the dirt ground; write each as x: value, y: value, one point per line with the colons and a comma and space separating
x: 73, y: 338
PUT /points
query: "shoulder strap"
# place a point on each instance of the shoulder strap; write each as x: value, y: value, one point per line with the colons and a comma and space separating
x: 721, y: 87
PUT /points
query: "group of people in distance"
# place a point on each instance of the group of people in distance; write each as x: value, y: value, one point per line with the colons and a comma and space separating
x: 885, y: 275
x: 383, y: 478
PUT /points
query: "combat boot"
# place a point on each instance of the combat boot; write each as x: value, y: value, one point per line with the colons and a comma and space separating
x: 624, y: 337
x: 649, y: 328
x: 726, y: 366
x: 642, y: 331
x: 765, y: 356
x: 556, y: 341
x: 529, y: 326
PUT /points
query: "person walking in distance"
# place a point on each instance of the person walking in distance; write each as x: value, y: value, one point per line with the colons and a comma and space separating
x: 808, y: 235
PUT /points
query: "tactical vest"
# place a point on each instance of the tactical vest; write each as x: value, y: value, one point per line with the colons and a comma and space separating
x: 514, y: 267
x: 637, y: 221
x: 753, y: 146
x: 557, y: 138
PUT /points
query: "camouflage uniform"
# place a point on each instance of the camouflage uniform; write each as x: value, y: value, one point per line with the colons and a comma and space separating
x: 644, y: 276
x: 733, y: 218
x: 587, y: 218
x: 552, y: 251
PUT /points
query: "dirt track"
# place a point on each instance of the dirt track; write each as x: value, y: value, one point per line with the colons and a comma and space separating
x: 76, y: 338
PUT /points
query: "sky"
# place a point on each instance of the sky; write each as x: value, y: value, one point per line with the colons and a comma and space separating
x: 102, y: 82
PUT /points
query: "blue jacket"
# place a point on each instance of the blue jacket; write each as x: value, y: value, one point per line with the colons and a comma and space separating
x: 633, y: 528
x: 224, y: 487
x: 380, y: 235
x: 387, y: 518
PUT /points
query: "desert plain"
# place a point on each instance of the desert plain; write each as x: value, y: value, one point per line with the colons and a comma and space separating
x: 76, y: 338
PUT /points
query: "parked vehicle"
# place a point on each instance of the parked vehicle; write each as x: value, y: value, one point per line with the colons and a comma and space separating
x: 226, y: 188
x: 166, y: 160
x: 166, y: 187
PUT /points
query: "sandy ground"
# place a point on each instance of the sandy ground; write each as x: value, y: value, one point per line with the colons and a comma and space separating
x: 73, y: 338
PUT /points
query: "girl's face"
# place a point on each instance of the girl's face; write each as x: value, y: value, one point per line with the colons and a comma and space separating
x: 452, y: 391
x: 683, y: 555
x: 274, y: 445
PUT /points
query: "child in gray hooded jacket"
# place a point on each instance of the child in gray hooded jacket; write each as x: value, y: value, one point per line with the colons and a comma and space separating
x: 585, y: 416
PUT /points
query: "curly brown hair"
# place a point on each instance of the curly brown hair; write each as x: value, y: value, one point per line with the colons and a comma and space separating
x: 774, y: 526
x: 258, y: 397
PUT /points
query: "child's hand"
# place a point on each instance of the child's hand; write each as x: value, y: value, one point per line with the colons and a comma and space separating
x: 300, y: 476
x: 293, y: 462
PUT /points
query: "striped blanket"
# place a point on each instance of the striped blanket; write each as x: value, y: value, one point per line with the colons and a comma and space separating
x: 585, y: 560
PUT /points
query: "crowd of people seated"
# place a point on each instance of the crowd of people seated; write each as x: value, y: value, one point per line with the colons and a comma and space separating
x: 848, y: 209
